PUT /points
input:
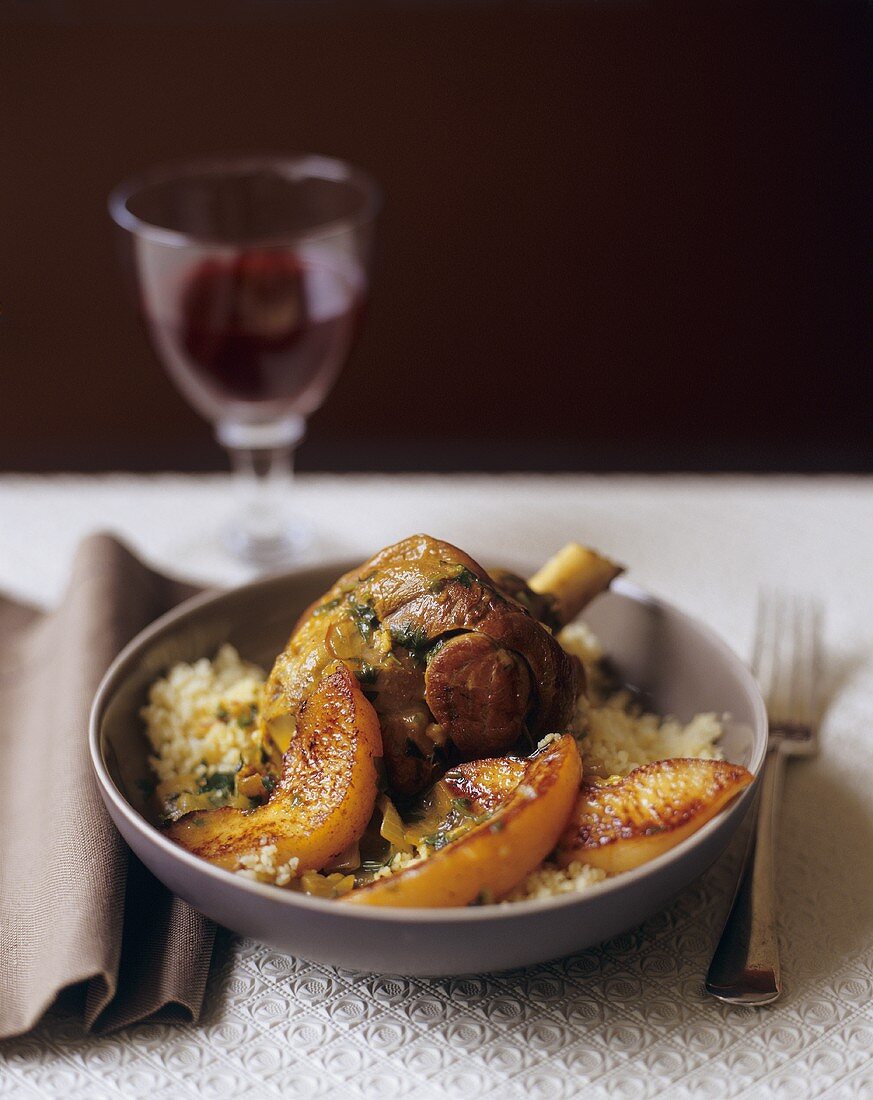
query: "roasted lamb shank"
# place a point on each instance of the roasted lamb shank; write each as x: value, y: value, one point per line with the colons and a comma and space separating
x: 458, y: 664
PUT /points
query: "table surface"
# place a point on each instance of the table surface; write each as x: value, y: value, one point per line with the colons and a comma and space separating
x: 629, y: 1018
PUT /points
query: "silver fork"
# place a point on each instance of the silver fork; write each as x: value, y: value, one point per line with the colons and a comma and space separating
x: 786, y: 660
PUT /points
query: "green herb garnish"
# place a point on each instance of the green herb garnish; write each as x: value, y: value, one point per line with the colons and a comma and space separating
x: 411, y: 637
x: 436, y: 840
x: 219, y: 781
x: 323, y: 609
x: 365, y: 618
x: 464, y: 577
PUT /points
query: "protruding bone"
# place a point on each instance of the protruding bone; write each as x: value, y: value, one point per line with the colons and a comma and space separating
x: 573, y: 577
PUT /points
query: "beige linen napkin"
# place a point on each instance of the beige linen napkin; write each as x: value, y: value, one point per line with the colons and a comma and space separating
x: 77, y: 911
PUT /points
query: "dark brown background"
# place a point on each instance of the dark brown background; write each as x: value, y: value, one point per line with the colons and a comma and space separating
x: 617, y: 235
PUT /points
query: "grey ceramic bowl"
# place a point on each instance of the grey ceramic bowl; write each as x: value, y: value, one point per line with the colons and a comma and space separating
x: 681, y: 664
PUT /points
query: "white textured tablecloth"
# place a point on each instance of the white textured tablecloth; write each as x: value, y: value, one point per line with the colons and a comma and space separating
x: 627, y: 1019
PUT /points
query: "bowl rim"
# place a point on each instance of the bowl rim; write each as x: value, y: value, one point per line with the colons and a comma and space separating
x: 393, y: 914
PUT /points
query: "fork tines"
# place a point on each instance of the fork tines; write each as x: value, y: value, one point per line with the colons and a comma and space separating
x: 786, y: 661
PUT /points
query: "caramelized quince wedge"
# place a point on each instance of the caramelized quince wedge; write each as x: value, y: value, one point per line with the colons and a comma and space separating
x: 324, y: 799
x: 620, y: 823
x: 464, y: 797
x: 534, y: 799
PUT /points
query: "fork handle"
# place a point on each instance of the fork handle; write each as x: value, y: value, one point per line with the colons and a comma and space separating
x: 745, y: 967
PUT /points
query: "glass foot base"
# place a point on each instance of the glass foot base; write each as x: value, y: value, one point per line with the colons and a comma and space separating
x: 267, y: 551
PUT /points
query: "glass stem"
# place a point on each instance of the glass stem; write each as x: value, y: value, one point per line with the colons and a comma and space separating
x: 263, y: 480
x: 260, y: 530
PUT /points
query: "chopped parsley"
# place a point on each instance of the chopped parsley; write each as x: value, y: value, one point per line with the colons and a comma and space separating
x: 219, y: 781
x: 365, y: 618
x: 465, y: 577
x: 323, y: 609
x: 411, y: 637
x: 437, y: 840
x: 366, y: 673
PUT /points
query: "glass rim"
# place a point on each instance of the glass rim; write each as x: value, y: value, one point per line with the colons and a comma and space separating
x: 295, y: 165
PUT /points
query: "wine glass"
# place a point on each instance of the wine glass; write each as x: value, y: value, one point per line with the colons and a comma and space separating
x: 251, y: 276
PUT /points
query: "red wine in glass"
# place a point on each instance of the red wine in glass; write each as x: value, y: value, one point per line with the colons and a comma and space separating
x: 263, y: 332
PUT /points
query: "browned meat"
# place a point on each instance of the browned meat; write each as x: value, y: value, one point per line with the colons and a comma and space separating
x: 542, y: 605
x: 456, y: 667
x: 481, y: 692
